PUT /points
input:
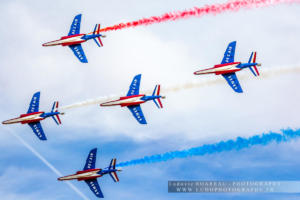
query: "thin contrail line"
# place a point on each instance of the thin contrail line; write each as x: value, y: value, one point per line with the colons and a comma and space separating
x: 49, y: 165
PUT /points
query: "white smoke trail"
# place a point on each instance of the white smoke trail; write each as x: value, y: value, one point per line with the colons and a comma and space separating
x: 49, y: 165
x: 98, y: 100
x: 265, y: 73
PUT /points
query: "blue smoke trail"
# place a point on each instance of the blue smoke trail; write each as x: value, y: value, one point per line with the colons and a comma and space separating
x: 229, y: 145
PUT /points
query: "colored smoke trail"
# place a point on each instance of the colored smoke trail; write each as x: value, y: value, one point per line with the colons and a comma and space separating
x: 214, y: 9
x: 224, y: 146
x: 49, y: 165
x: 265, y: 73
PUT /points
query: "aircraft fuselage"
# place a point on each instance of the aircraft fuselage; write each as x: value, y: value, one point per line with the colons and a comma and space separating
x: 67, y: 40
x: 83, y: 175
x: 130, y: 100
x: 126, y: 101
x: 26, y: 118
x: 72, y: 39
x: 225, y: 68
x: 87, y: 174
x: 30, y: 118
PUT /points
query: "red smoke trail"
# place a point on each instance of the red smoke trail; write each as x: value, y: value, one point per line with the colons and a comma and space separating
x: 232, y: 5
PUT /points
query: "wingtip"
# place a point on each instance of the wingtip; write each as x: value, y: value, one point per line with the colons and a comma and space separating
x: 94, y: 149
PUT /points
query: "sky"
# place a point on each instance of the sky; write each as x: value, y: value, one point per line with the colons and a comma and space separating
x: 168, y: 54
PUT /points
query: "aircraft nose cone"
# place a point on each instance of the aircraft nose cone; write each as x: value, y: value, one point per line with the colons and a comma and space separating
x: 195, y: 73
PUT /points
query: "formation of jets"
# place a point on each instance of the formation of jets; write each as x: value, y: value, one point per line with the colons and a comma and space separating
x: 132, y: 100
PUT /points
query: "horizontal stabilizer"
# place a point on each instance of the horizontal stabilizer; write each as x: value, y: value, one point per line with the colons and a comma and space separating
x: 252, y: 59
x: 114, y: 176
x: 97, y: 32
x: 112, y: 166
x: 56, y: 118
x: 156, y: 92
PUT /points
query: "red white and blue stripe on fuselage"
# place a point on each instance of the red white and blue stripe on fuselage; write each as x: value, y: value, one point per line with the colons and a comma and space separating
x: 228, y: 67
x: 134, y: 99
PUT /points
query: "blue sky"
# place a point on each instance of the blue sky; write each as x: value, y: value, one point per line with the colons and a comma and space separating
x: 168, y: 54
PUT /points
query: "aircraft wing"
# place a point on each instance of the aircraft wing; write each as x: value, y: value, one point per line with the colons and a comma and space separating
x: 79, y: 53
x: 75, y: 27
x: 34, y: 103
x: 94, y: 186
x: 233, y: 81
x: 137, y: 113
x: 134, y: 88
x: 91, y: 160
x: 38, y: 130
x: 229, y: 53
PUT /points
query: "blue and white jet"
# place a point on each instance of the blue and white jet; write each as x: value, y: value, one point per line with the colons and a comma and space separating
x: 34, y: 116
x: 133, y: 99
x: 228, y: 67
x: 89, y: 174
x: 74, y: 39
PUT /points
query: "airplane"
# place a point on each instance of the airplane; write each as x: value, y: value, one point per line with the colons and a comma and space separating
x: 34, y: 116
x: 228, y: 67
x: 74, y: 39
x: 133, y: 99
x: 89, y: 174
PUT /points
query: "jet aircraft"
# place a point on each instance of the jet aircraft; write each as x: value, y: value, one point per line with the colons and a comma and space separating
x: 228, y: 67
x: 89, y: 174
x: 34, y: 116
x: 74, y: 39
x: 133, y: 99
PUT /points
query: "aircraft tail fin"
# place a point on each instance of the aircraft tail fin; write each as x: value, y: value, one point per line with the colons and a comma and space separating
x: 112, y: 166
x: 56, y: 118
x: 97, y: 32
x: 156, y: 92
x: 252, y: 59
